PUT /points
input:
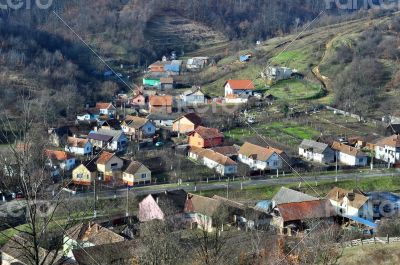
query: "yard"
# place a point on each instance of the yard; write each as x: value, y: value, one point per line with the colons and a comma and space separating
x: 371, y: 254
x: 287, y: 133
x: 295, y: 89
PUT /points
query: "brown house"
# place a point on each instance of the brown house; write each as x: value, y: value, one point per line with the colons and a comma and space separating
x: 160, y: 104
x: 186, y: 123
x: 204, y: 137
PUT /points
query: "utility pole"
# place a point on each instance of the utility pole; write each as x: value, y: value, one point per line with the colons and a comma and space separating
x: 95, y: 198
x: 127, y: 200
x: 336, y: 169
x: 227, y: 188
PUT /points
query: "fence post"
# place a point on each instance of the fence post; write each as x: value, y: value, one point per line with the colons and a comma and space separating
x: 388, y: 238
x: 362, y: 242
x: 374, y: 240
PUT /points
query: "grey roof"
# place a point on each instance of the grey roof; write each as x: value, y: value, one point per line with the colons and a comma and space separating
x: 316, y: 146
x: 286, y: 195
x: 99, y: 137
x: 116, y: 134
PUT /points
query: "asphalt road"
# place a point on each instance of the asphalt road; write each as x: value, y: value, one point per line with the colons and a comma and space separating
x: 190, y: 187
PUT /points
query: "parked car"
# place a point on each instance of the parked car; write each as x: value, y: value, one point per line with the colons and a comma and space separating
x: 159, y: 144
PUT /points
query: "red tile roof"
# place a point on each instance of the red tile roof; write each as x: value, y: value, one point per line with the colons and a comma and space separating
x: 104, y: 158
x: 207, y: 133
x: 241, y: 84
x: 102, y: 105
x: 160, y: 101
x: 305, y: 210
x: 58, y: 155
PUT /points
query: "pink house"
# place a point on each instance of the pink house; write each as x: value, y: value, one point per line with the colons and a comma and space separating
x: 149, y: 210
x: 138, y: 100
x: 160, y: 206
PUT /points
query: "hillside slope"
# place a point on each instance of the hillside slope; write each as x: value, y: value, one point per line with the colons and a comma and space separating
x: 314, y: 52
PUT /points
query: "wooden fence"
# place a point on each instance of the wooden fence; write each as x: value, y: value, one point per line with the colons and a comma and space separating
x: 371, y: 241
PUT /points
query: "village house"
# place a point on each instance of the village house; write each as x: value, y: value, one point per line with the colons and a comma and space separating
x: 236, y: 99
x: 223, y: 165
x: 388, y: 149
x: 88, y: 235
x: 166, y: 83
x: 274, y: 74
x: 290, y: 218
x: 85, y: 173
x: 138, y: 99
x: 262, y: 158
x: 316, y: 151
x: 109, y: 166
x: 159, y: 206
x: 151, y: 81
x: 200, y: 211
x: 136, y: 173
x: 193, y: 97
x: 112, y: 140
x: 186, y: 123
x: 197, y: 63
x: 88, y: 116
x: 286, y: 195
x: 173, y: 67
x: 229, y: 151
x: 60, y: 159
x: 106, y: 109
x: 157, y: 67
x: 350, y: 203
x: 239, y: 87
x: 138, y: 128
x: 349, y: 155
x: 163, y: 120
x: 78, y: 146
x: 204, y: 137
x: 160, y: 104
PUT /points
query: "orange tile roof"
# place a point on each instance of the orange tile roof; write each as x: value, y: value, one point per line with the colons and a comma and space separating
x: 104, y: 158
x: 58, y: 155
x: 160, y: 101
x: 207, y: 133
x: 258, y: 152
x: 392, y: 141
x: 347, y: 149
x: 103, y: 105
x: 77, y: 142
x: 241, y: 84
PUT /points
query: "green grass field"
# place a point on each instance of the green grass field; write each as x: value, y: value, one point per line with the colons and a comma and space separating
x: 287, y: 133
x: 294, y: 89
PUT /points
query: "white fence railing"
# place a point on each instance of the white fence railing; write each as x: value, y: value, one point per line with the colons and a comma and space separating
x: 371, y: 241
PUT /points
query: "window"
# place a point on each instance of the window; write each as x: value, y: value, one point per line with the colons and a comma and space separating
x: 79, y: 176
x: 143, y: 176
x: 148, y: 129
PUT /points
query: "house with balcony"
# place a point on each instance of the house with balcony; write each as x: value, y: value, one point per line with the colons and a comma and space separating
x: 388, y: 149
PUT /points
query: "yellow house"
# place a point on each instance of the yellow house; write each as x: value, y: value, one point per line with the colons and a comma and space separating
x: 136, y: 173
x: 85, y: 173
x: 109, y: 166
